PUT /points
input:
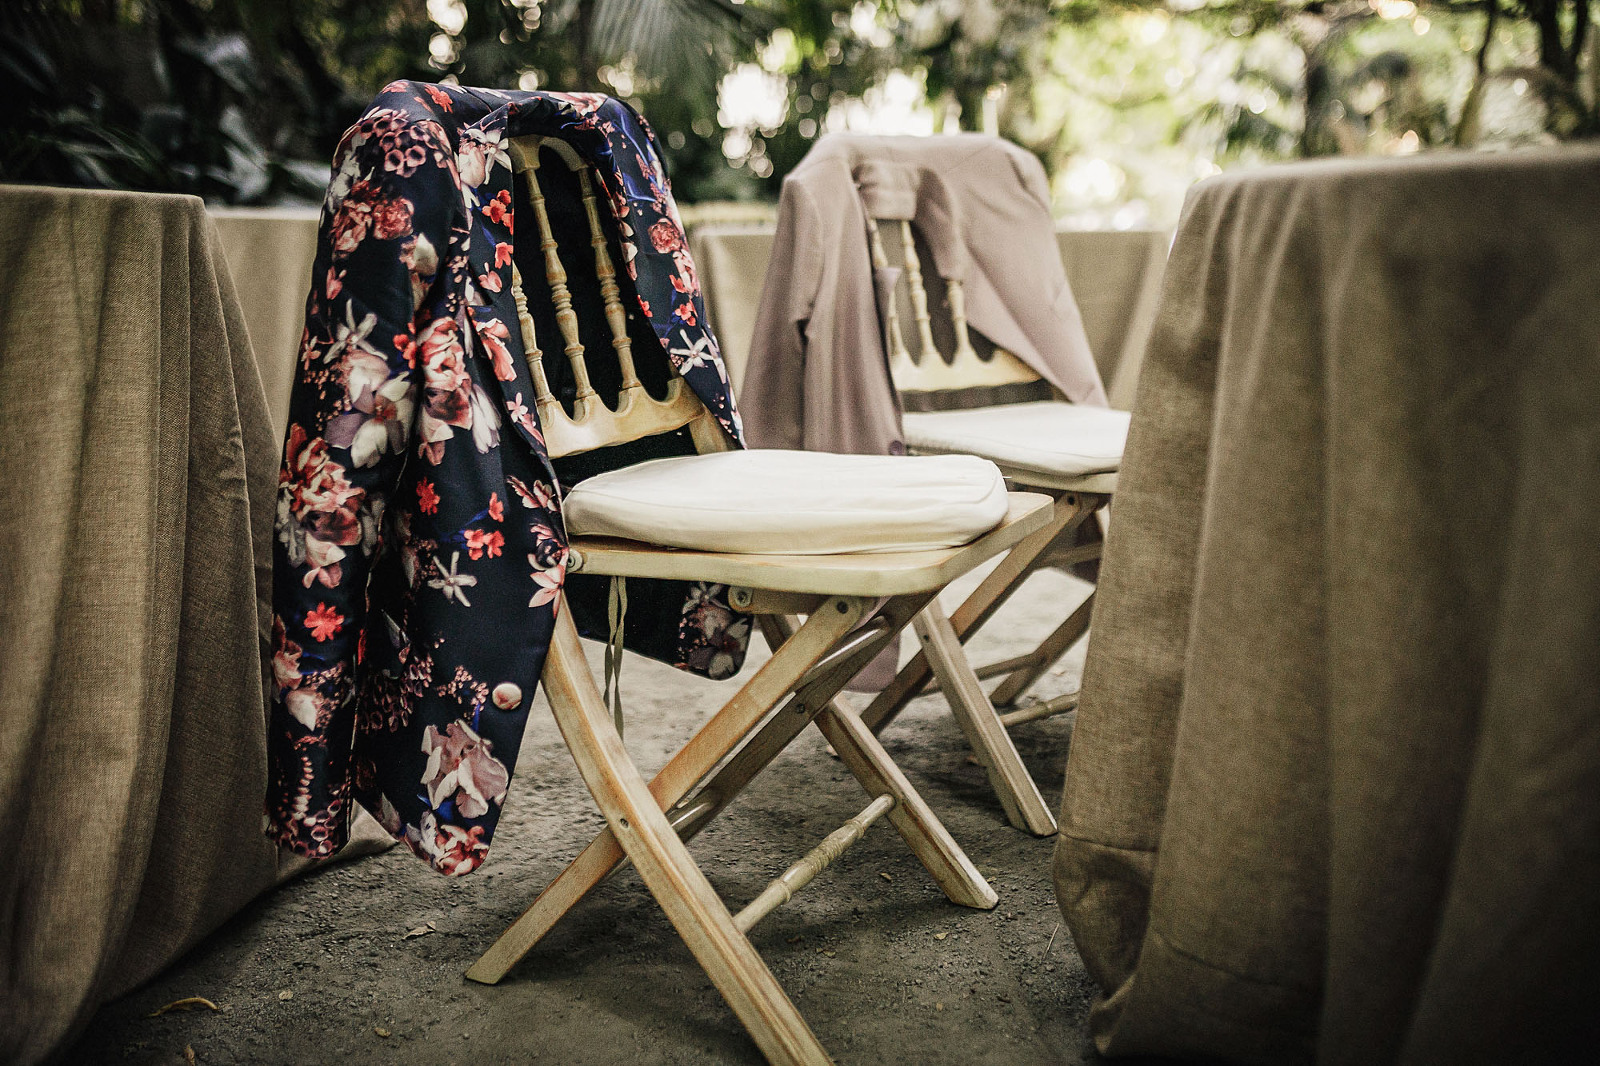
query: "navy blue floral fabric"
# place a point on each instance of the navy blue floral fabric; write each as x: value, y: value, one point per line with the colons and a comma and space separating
x: 420, y: 554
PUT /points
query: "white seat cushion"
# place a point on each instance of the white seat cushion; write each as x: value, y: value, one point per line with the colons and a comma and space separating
x: 774, y: 502
x: 1047, y: 436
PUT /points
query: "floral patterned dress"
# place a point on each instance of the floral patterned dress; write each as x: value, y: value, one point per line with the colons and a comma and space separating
x: 420, y: 554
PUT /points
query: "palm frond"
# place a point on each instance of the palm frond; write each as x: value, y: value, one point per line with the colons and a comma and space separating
x: 660, y: 34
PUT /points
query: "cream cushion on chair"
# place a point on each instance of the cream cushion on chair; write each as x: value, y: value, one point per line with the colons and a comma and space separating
x: 1047, y: 436
x: 777, y: 502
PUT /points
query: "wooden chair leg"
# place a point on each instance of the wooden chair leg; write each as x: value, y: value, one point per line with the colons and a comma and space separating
x: 977, y: 608
x: 714, y: 740
x: 1022, y: 672
x: 1019, y: 796
x: 1049, y: 651
x: 791, y: 661
x: 664, y: 863
x: 921, y: 829
x: 793, y: 717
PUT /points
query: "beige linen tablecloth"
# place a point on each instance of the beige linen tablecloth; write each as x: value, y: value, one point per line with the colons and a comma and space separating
x: 1115, y: 277
x: 1334, y: 787
x: 731, y: 259
x: 269, y: 253
x: 140, y: 473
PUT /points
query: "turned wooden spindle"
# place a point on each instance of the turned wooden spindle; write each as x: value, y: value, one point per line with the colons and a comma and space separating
x: 931, y: 372
x: 609, y: 292
x: 880, y: 261
x: 816, y: 860
x: 556, y: 275
x: 544, y: 400
x: 592, y: 423
x: 919, y: 296
x: 958, y: 321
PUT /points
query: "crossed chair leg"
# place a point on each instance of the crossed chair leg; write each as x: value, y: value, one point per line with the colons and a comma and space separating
x: 649, y: 824
x: 941, y: 659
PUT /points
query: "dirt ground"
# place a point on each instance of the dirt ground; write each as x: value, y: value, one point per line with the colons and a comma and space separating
x: 362, y: 962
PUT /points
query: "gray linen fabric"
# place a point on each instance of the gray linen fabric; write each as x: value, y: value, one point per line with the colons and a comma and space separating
x: 134, y: 573
x: 1334, y: 788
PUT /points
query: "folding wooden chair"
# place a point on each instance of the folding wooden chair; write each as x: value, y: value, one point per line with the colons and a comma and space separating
x: 1068, y: 451
x: 854, y: 603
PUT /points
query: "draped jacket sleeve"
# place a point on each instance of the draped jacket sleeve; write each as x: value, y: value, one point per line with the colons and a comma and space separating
x: 382, y: 352
x: 818, y: 376
x: 776, y: 365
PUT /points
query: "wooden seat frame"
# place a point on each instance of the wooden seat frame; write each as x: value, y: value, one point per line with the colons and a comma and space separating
x: 853, y: 606
x: 1076, y: 499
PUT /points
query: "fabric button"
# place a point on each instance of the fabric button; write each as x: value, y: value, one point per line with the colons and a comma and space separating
x: 507, y: 696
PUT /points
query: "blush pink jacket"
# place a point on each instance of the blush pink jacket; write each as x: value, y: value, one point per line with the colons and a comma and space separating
x: 818, y: 373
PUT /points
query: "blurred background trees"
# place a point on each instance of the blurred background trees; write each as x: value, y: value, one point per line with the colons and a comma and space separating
x: 1126, y: 101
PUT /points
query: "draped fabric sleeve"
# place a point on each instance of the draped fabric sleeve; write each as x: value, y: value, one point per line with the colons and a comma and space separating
x: 772, y: 396
x: 378, y: 332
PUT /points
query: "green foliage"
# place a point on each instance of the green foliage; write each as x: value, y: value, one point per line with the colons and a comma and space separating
x: 1125, y: 101
x: 1141, y: 97
x: 234, y: 101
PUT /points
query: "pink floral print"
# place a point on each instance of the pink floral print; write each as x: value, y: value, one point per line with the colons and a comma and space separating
x: 412, y: 607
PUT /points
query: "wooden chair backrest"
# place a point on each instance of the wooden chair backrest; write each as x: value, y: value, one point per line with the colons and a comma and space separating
x: 930, y: 371
x: 593, y: 424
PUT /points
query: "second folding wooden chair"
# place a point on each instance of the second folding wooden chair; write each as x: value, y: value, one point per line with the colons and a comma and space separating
x: 884, y: 535
x: 1068, y: 451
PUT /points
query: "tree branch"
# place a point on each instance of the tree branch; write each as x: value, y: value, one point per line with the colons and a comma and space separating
x: 1580, y: 30
x: 1546, y: 16
x: 1493, y: 7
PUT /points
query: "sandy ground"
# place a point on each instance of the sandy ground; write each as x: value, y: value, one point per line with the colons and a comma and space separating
x: 330, y: 969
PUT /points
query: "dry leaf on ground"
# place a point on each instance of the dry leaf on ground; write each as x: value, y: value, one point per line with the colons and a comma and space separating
x: 187, y: 1003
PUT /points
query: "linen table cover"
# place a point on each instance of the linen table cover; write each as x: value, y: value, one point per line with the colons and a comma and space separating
x: 270, y: 251
x: 134, y: 597
x: 1334, y: 787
